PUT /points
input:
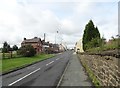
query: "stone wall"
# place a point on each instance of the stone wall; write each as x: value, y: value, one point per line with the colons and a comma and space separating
x: 105, y: 68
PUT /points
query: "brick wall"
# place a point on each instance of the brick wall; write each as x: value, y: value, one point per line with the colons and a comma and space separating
x: 105, y: 68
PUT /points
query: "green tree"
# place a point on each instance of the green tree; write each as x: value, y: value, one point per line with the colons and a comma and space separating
x: 6, y: 47
x: 97, y: 33
x: 91, y: 36
x: 15, y: 48
x: 27, y: 51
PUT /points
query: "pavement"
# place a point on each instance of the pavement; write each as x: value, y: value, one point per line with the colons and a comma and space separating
x: 75, y: 74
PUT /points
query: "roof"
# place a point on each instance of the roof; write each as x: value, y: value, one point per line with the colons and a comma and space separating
x: 45, y: 43
x: 55, y: 45
x: 33, y: 40
x: 49, y: 44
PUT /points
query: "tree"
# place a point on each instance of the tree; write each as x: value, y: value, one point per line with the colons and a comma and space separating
x: 6, y: 47
x: 27, y: 51
x: 15, y: 48
x: 103, y: 41
x: 97, y: 33
x: 91, y: 34
x: 93, y: 43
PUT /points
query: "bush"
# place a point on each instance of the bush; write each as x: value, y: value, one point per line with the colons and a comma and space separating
x: 27, y: 51
x: 96, y: 42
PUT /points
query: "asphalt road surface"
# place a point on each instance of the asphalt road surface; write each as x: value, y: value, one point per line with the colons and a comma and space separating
x: 44, y: 73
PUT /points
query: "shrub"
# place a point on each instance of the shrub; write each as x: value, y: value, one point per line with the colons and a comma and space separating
x: 27, y: 51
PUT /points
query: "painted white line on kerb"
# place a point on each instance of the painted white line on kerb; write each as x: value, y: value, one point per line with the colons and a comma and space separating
x: 49, y: 63
x: 57, y: 58
x: 23, y: 77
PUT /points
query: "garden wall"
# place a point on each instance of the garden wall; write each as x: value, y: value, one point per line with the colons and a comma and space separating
x: 105, y: 68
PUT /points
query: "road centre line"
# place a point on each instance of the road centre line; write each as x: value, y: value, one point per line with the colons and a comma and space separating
x: 57, y: 58
x: 23, y: 77
x: 49, y: 63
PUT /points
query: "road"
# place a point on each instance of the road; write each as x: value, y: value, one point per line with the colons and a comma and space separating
x: 44, y: 73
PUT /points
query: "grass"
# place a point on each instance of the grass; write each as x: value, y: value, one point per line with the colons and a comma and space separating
x: 10, y: 64
x: 113, y: 45
x: 92, y: 76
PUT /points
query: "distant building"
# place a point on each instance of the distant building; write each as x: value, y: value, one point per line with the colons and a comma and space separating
x: 62, y: 48
x: 45, y: 46
x: 55, y: 48
x: 35, y: 42
x: 79, y: 46
x: 49, y: 47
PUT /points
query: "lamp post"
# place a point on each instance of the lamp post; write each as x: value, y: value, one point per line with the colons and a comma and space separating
x: 56, y: 37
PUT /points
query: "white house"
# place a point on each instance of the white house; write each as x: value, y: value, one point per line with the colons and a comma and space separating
x: 79, y: 46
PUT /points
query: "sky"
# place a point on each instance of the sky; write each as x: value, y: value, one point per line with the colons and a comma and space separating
x: 30, y: 18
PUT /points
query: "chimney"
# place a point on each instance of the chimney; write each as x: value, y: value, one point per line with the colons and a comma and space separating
x: 35, y: 37
x: 24, y: 38
x: 44, y: 36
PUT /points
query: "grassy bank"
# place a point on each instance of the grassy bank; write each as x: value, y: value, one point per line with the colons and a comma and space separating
x: 92, y: 76
x: 115, y: 44
x: 10, y: 64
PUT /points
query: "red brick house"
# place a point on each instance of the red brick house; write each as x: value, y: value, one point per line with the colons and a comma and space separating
x: 49, y: 47
x: 35, y: 42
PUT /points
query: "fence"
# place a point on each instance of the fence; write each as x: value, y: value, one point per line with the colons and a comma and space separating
x: 9, y: 55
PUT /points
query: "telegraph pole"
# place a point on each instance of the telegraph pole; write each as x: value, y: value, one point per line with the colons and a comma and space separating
x: 56, y: 36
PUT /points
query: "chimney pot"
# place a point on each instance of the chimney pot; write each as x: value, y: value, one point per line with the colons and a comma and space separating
x: 35, y: 37
x: 24, y: 38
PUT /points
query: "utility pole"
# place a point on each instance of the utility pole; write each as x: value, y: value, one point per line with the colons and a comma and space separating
x: 56, y: 36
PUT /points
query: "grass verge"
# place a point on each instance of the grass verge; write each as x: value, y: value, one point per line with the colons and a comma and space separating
x: 10, y: 64
x: 92, y: 76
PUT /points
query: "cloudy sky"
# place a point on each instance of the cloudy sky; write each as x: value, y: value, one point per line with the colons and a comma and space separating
x: 29, y: 18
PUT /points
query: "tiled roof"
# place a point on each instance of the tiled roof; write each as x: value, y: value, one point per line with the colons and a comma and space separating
x: 33, y: 40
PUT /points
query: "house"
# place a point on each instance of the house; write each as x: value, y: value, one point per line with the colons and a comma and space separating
x: 79, y: 46
x: 35, y: 42
x: 49, y: 47
x: 62, y: 48
x: 45, y: 46
x: 55, y: 48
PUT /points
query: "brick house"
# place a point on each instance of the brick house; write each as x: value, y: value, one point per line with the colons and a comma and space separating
x: 45, y: 46
x: 35, y: 42
x: 49, y: 47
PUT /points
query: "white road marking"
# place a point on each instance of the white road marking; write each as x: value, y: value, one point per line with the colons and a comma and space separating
x: 57, y: 58
x: 23, y: 77
x: 49, y: 63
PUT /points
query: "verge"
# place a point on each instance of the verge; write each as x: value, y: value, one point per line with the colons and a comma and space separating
x: 24, y: 66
